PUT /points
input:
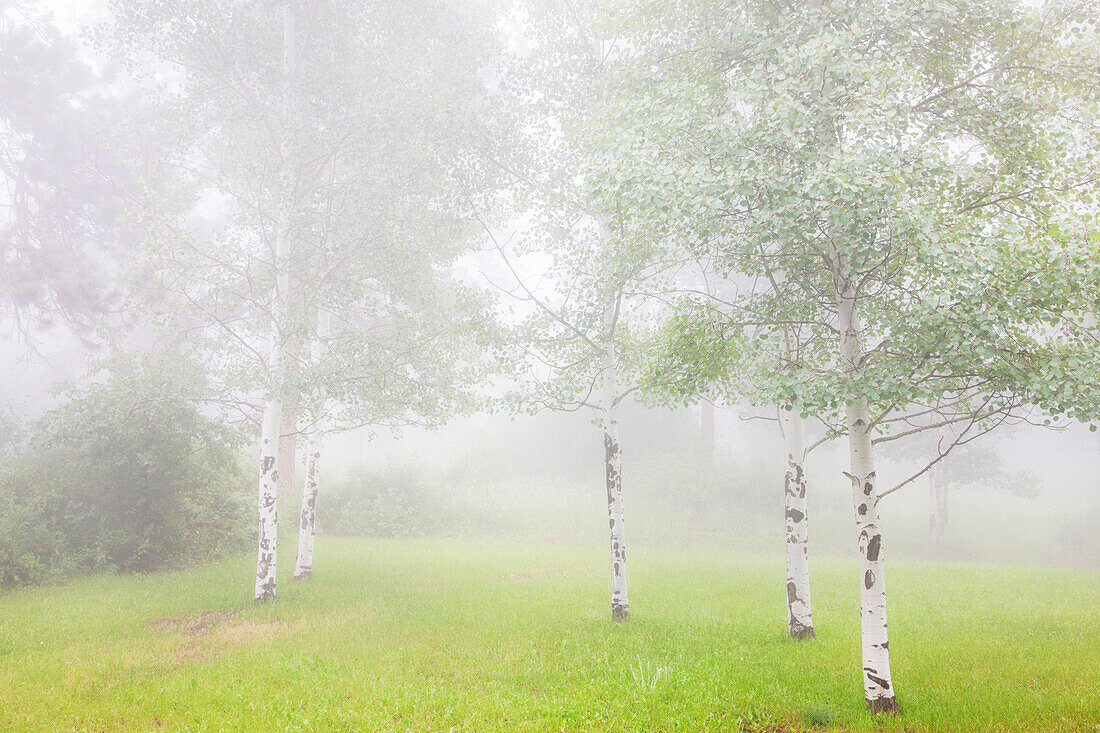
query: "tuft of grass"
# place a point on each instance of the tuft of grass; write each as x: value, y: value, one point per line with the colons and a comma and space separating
x: 444, y: 634
x: 819, y: 717
x: 647, y: 675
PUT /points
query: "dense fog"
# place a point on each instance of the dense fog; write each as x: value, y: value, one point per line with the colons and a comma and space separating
x: 374, y: 287
x: 541, y: 476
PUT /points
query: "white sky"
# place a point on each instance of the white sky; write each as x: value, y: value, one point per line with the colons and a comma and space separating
x: 72, y: 14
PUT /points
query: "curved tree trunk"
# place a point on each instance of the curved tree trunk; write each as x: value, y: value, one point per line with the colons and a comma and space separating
x: 303, y: 567
x: 268, y: 518
x: 799, y: 620
x: 878, y: 687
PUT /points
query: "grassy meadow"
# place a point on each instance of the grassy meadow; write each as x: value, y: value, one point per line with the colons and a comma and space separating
x: 457, y: 635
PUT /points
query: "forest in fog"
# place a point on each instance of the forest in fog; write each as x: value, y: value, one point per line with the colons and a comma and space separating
x: 308, y: 299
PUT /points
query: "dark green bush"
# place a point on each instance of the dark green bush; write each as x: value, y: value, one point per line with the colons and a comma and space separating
x: 127, y: 476
x: 390, y: 501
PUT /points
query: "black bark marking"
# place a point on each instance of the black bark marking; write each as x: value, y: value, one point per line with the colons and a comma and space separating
x: 792, y: 592
x: 862, y: 509
x: 868, y: 487
x: 793, y: 481
x: 611, y: 452
x: 795, y: 516
x: 873, y: 548
x: 267, y: 591
x: 869, y: 579
x: 266, y: 464
x: 310, y: 513
x: 264, y: 566
x: 876, y: 679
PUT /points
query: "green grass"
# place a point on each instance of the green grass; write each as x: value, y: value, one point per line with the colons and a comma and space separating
x: 441, y: 635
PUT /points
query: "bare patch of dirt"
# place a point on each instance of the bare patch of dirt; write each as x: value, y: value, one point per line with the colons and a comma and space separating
x: 203, y: 636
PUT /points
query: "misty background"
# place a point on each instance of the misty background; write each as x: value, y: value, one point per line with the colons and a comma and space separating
x: 1027, y: 494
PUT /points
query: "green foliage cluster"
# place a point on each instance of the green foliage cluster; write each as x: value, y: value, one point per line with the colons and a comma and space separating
x: 127, y: 476
x: 937, y: 164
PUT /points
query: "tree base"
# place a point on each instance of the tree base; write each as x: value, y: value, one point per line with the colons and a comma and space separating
x: 799, y: 632
x: 884, y: 705
x: 303, y: 575
x: 620, y: 613
x: 264, y: 597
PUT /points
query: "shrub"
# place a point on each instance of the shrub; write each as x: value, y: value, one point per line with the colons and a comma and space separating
x: 129, y: 475
x: 389, y: 501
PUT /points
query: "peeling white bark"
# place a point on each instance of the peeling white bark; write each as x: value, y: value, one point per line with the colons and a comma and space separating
x: 268, y: 518
x: 799, y: 620
x: 878, y: 686
x: 303, y: 567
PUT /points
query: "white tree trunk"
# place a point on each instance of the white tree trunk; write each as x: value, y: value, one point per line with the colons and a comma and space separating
x: 303, y: 567
x: 878, y: 687
x: 799, y: 620
x: 268, y: 518
x: 620, y: 602
x: 939, y: 503
x: 270, y: 432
